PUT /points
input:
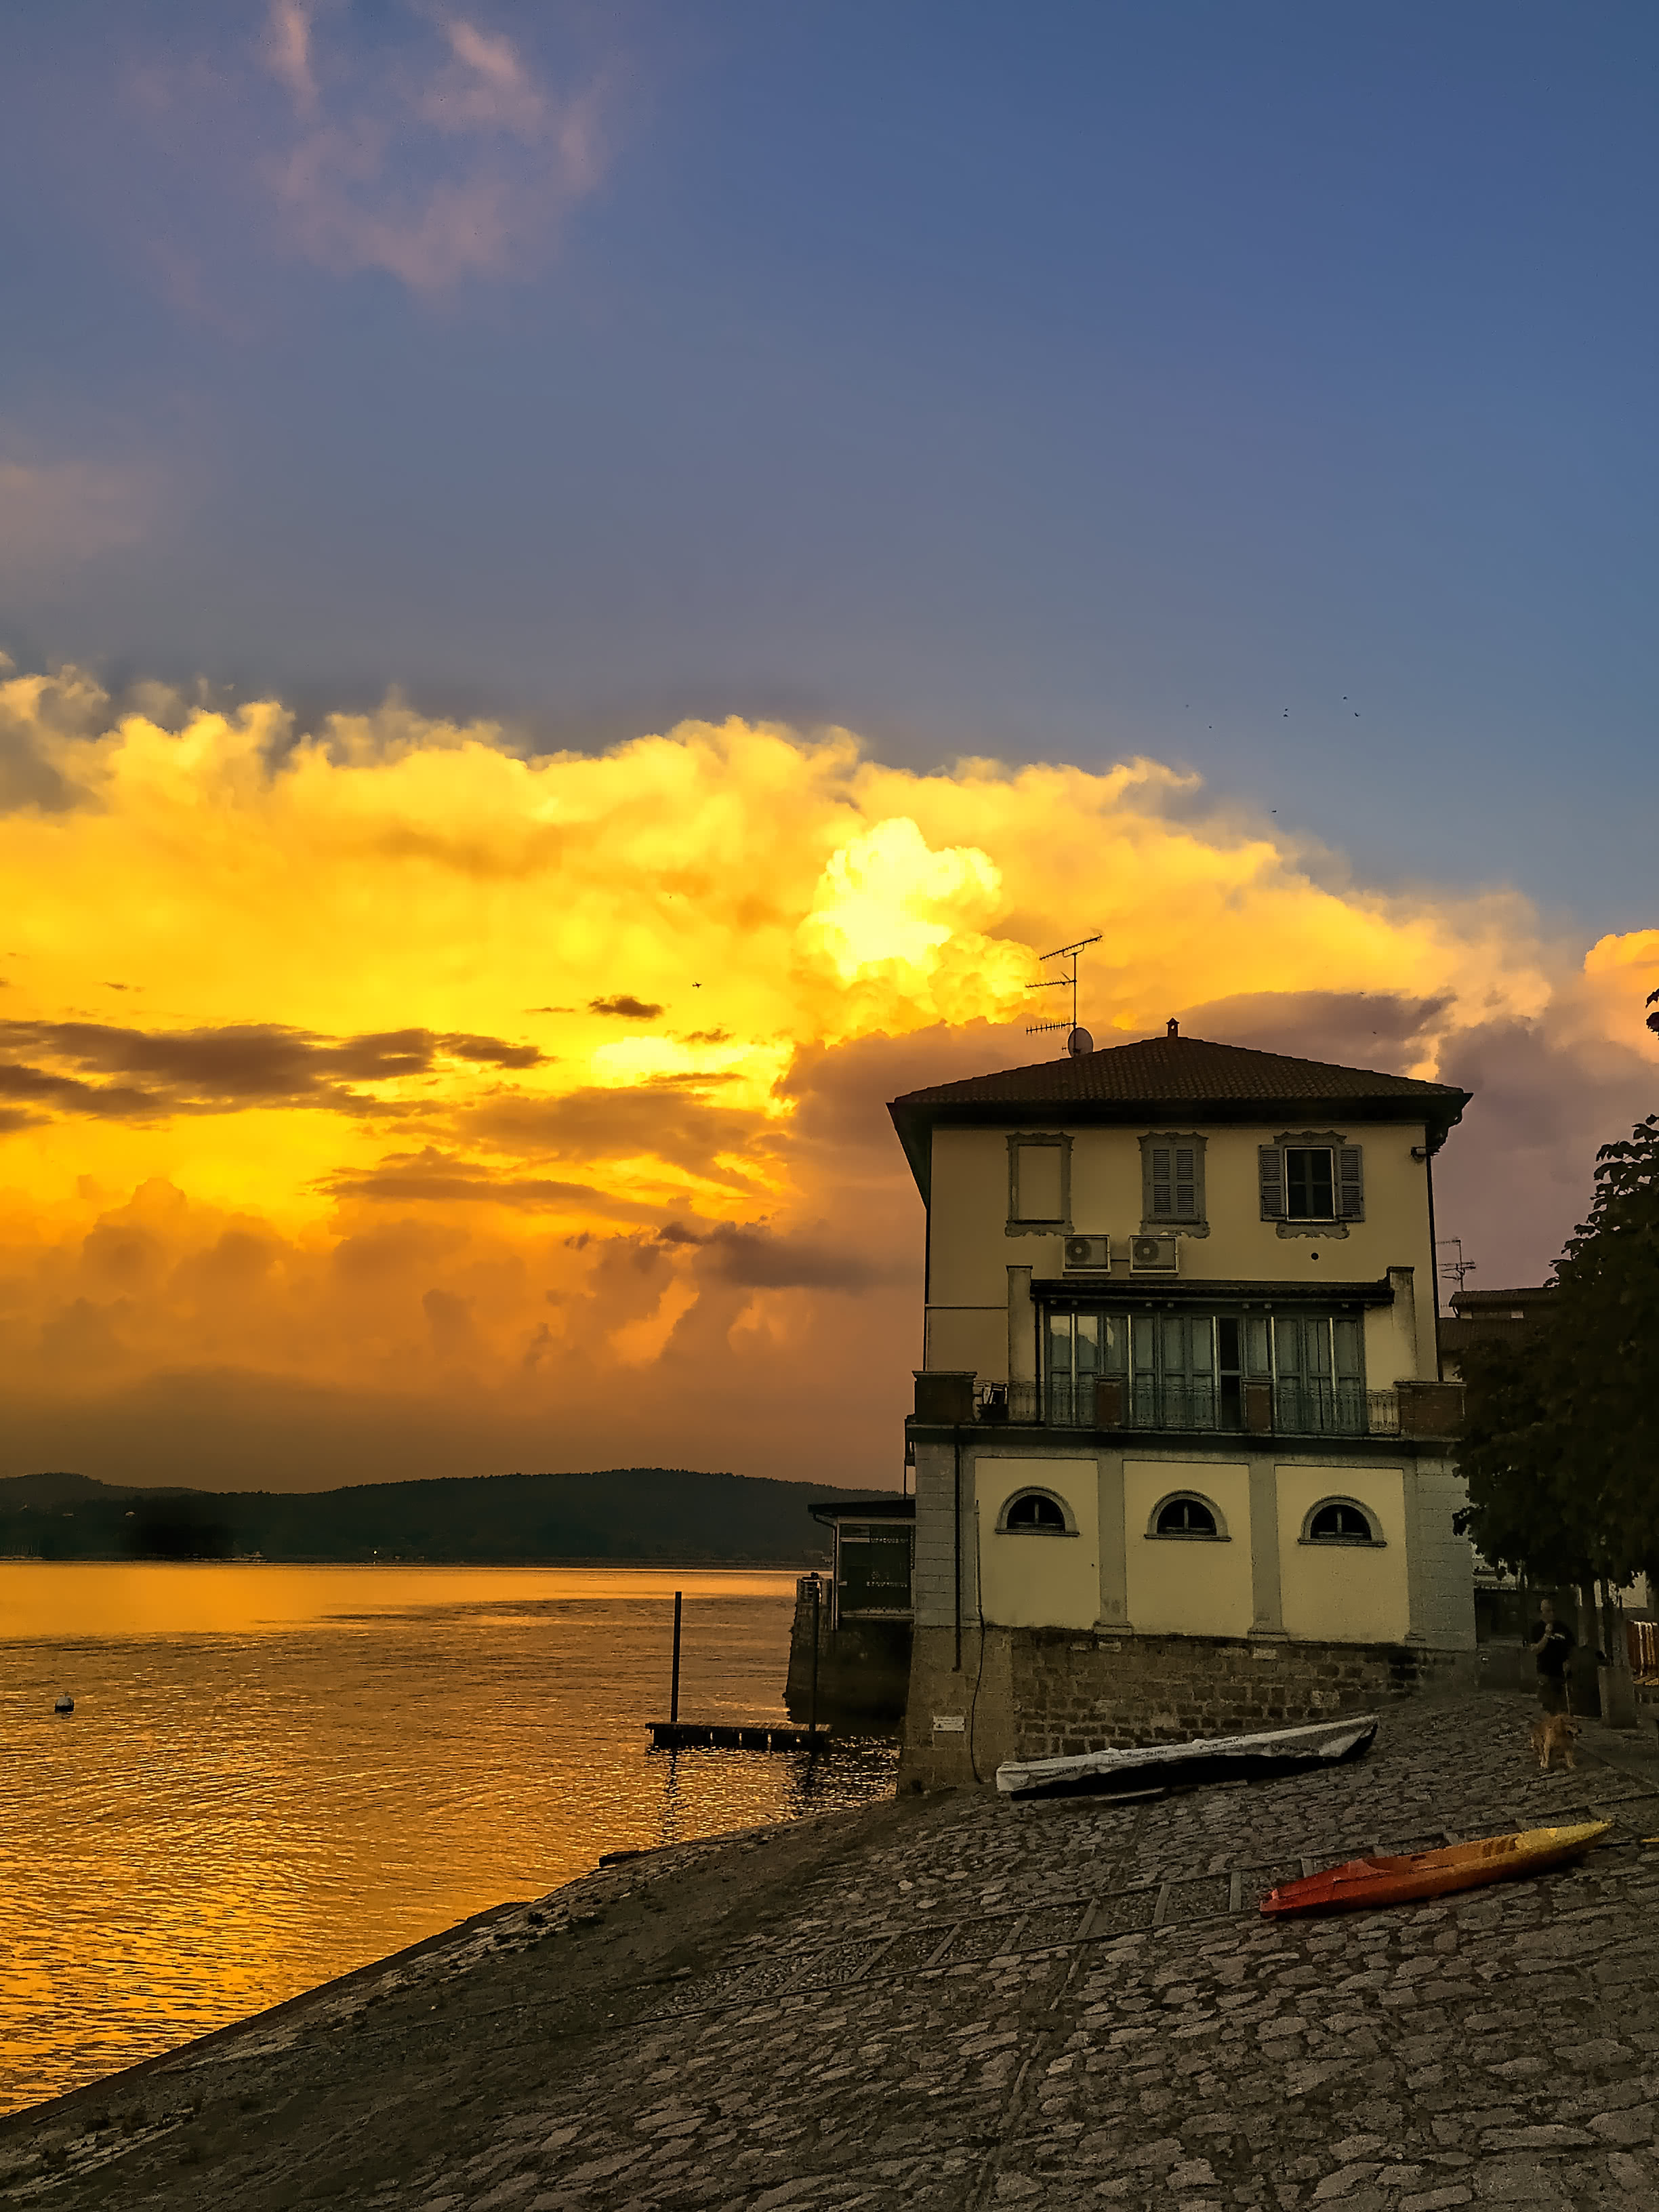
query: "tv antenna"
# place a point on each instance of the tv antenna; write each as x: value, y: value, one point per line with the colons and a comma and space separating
x: 1080, y: 1040
x: 1460, y: 1266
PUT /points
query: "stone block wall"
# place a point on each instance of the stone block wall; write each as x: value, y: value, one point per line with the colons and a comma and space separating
x: 1071, y: 1694
x: 1045, y: 1693
x: 1442, y: 1562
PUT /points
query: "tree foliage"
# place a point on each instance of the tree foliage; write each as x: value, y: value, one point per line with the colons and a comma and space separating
x: 1561, y: 1432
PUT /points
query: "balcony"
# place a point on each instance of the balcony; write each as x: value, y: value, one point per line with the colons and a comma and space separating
x: 1420, y: 1410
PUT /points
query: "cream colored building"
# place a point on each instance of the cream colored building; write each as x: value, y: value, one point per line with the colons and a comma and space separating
x: 1182, y: 1452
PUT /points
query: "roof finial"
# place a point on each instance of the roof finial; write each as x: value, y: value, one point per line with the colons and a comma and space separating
x: 1173, y: 1028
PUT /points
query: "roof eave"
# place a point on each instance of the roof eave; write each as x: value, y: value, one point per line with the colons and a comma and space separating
x: 913, y: 1118
x: 914, y: 1133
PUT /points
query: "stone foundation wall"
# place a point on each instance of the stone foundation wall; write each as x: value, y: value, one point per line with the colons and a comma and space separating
x: 864, y: 1670
x: 1071, y: 1694
x: 1043, y: 1692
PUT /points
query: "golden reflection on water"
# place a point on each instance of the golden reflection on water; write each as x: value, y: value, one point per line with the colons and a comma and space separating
x: 274, y: 1774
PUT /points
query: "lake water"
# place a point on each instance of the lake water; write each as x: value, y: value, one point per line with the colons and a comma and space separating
x: 275, y: 1774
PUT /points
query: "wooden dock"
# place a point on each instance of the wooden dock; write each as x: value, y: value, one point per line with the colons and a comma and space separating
x: 676, y: 1735
x: 689, y: 1735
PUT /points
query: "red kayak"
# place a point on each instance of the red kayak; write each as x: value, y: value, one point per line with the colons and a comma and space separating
x: 1363, y: 1882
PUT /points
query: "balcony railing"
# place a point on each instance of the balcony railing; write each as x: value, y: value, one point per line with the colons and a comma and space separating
x: 1414, y: 1408
x: 1287, y: 1409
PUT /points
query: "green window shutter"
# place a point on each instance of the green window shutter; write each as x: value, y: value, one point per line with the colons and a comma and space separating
x: 1271, y: 1162
x: 1350, y: 1189
x: 1186, y: 1183
x: 1162, y: 1180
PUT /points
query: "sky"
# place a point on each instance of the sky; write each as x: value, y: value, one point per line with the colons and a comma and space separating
x: 585, y: 588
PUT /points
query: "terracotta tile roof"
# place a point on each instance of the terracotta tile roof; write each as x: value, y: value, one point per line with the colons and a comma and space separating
x: 1163, y: 1077
x: 1163, y: 1070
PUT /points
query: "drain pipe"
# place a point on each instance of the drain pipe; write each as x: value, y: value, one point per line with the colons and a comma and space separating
x: 956, y: 1445
x: 1434, y: 1258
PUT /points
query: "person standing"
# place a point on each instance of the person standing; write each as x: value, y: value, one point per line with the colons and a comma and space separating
x: 1552, y: 1644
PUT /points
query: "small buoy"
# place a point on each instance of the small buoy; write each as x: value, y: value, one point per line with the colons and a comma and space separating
x: 65, y: 1705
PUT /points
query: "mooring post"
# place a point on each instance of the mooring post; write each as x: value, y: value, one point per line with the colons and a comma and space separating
x: 674, y: 1685
x: 812, y: 1709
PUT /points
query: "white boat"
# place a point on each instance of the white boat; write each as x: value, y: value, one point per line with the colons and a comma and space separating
x: 1202, y: 1758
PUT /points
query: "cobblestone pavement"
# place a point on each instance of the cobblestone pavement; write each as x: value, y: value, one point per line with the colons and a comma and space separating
x: 984, y: 2005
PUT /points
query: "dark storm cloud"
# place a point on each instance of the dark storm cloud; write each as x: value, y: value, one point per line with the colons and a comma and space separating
x: 431, y: 1177
x: 841, y: 1092
x: 68, y: 1095
x: 668, y: 1119
x: 1377, y: 1029
x: 225, y: 1069
x: 761, y: 1259
x: 491, y: 1052
x: 638, y: 1009
x: 1517, y: 1175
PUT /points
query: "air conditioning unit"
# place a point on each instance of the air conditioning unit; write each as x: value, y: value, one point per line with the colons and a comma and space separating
x: 1088, y: 1252
x: 1153, y: 1255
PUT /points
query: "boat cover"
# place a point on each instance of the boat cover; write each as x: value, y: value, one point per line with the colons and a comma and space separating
x: 1204, y: 1759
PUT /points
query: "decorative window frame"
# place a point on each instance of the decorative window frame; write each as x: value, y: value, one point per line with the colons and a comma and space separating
x: 1035, y: 1490
x: 1373, y: 1542
x: 1334, y: 1142
x: 1164, y: 1224
x: 1044, y: 1227
x: 1157, y: 1536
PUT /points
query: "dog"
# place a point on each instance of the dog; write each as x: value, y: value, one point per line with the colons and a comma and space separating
x: 1553, y: 1732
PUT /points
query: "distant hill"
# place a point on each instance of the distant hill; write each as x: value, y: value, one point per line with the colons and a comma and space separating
x: 634, y: 1514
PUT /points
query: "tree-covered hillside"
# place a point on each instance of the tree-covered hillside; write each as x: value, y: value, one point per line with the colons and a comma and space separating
x: 672, y: 1514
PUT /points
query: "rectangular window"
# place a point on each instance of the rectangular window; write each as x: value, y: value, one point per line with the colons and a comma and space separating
x: 1039, y: 1181
x: 875, y: 1569
x: 1172, y: 1180
x: 1319, y: 1380
x: 1312, y: 1181
x: 1310, y: 1184
x: 1082, y: 1347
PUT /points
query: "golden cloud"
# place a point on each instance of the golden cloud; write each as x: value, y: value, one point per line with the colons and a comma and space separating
x: 278, y: 1126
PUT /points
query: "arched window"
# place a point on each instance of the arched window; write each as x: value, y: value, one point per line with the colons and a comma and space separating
x: 1339, y: 1521
x: 1033, y: 1512
x: 1186, y: 1514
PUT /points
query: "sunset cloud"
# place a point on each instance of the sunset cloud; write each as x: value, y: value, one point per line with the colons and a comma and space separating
x: 328, y: 1177
x: 436, y: 155
x: 58, y: 510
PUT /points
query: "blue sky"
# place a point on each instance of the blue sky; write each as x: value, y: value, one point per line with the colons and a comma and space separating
x: 1266, y: 387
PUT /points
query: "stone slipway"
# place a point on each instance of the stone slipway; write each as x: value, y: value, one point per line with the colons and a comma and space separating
x: 962, y: 2002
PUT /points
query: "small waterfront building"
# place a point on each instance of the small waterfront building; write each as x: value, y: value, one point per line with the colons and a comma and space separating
x: 859, y: 1615
x: 1184, y: 1459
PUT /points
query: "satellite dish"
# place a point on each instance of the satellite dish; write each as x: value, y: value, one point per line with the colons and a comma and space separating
x: 1078, y: 1042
